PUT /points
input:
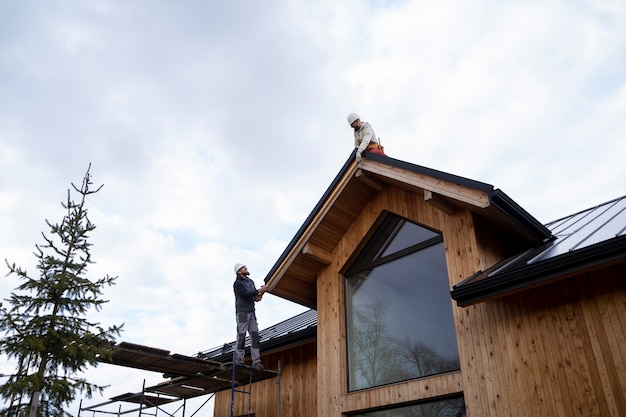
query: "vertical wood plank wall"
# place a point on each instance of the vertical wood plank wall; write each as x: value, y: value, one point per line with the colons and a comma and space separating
x: 558, y: 350
x: 298, y: 387
x: 333, y: 398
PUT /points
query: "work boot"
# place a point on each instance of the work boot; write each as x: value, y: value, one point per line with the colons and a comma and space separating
x: 258, y: 366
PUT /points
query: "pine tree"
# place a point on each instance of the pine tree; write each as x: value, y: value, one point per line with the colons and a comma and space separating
x: 45, y: 328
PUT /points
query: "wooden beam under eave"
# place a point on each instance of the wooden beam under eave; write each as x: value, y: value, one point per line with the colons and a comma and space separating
x: 362, y: 176
x: 317, y: 253
x: 439, y: 202
x: 448, y: 189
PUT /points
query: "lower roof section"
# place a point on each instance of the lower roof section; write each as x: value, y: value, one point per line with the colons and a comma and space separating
x: 587, y: 240
x: 296, y: 330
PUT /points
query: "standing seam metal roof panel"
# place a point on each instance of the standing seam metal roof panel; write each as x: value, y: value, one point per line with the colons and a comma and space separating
x: 587, y: 228
x: 286, y: 328
x: 585, y: 239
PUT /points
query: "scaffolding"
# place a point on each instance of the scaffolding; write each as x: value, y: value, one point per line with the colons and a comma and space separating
x: 189, y: 377
x: 234, y: 389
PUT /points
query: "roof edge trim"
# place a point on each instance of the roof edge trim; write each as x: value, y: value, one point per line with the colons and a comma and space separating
x: 307, y: 222
x: 505, y: 204
x: 540, y: 273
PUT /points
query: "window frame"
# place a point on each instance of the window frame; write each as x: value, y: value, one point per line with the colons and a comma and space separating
x: 354, y: 266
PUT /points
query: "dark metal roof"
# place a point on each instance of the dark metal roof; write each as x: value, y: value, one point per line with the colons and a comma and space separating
x: 583, y: 240
x: 588, y: 227
x: 295, y: 330
x: 293, y: 275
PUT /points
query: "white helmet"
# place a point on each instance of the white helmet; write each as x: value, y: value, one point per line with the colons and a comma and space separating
x: 238, y: 267
x: 352, y: 117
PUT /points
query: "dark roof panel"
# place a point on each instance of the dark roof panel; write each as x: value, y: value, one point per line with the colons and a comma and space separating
x: 582, y: 240
x: 594, y: 225
x: 281, y: 335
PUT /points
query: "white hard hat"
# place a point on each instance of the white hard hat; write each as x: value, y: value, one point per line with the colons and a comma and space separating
x: 352, y: 117
x: 238, y: 267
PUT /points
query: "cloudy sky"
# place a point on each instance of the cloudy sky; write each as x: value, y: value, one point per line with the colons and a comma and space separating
x: 215, y: 128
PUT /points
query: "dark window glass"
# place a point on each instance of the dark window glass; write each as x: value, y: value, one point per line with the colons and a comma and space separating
x: 407, y: 235
x: 452, y: 407
x: 398, y: 307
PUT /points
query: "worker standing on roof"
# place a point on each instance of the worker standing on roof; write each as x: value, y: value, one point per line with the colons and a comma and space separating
x: 365, y: 140
x: 246, y: 295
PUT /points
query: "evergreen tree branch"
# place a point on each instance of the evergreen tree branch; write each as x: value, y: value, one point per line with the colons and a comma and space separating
x: 45, y: 328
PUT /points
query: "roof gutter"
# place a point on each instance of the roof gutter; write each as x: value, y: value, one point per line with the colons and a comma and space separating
x: 506, y: 205
x: 541, y: 272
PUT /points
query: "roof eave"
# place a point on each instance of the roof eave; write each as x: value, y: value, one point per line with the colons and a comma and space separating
x: 457, y: 188
x: 541, y: 273
x: 513, y: 210
x: 275, y: 274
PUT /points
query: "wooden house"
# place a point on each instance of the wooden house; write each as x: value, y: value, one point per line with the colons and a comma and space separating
x: 437, y: 295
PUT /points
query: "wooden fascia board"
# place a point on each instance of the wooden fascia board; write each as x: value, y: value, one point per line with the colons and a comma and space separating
x: 458, y: 192
x: 298, y: 247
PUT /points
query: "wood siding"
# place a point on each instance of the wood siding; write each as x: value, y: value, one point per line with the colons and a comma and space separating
x: 333, y: 398
x: 298, y: 383
x: 557, y: 350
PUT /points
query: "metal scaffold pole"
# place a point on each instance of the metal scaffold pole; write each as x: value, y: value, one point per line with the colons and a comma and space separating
x: 278, y: 395
x: 232, y: 389
x: 234, y: 383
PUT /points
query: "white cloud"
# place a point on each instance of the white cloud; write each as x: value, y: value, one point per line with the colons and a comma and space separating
x: 216, y: 128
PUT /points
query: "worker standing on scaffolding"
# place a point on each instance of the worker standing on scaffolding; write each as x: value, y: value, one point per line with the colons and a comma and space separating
x: 246, y: 295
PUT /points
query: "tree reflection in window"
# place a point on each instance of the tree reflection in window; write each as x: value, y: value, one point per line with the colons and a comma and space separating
x: 398, y: 307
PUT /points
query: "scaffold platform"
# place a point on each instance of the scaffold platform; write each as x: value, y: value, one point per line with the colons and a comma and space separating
x: 188, y: 377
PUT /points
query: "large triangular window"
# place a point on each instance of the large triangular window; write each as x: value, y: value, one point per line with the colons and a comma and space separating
x: 398, y: 307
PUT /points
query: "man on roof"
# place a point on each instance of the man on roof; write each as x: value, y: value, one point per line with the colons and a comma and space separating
x: 246, y: 295
x: 365, y: 140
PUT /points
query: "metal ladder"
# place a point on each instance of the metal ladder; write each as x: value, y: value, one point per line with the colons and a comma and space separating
x: 233, y: 389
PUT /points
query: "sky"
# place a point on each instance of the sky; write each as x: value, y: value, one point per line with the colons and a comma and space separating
x: 215, y: 128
